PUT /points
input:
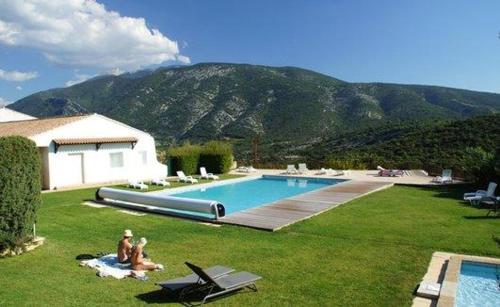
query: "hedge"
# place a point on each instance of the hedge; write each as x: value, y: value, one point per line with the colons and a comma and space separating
x: 215, y: 156
x: 185, y: 158
x: 20, y: 186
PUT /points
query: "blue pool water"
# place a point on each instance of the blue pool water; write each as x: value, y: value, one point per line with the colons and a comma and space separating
x: 478, y: 285
x: 247, y: 194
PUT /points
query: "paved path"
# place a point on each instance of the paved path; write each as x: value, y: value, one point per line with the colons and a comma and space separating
x: 285, y: 212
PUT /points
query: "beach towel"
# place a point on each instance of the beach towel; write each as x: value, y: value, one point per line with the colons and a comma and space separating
x: 108, y: 265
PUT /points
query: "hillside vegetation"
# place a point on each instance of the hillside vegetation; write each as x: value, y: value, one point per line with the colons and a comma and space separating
x: 232, y: 101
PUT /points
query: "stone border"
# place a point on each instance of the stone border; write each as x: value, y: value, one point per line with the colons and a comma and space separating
x: 448, y: 292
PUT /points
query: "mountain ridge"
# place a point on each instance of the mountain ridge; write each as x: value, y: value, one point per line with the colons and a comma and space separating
x: 237, y: 101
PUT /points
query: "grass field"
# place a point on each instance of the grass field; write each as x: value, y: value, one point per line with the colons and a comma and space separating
x: 369, y: 252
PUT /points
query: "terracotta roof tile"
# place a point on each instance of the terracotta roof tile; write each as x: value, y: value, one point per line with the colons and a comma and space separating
x: 102, y: 140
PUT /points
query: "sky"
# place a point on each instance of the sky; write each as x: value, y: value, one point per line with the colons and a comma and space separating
x: 58, y: 43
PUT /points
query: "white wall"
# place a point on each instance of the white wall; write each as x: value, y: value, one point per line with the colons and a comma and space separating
x: 96, y: 163
x: 7, y: 115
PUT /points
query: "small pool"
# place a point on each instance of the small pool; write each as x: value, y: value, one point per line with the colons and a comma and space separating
x: 478, y: 285
x: 241, y: 195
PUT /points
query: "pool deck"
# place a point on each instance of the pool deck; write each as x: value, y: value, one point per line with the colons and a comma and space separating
x: 411, y: 177
x: 288, y: 211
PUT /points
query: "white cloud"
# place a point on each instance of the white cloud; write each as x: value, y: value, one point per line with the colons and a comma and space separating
x: 19, y: 88
x: 17, y: 75
x: 79, y: 78
x: 116, y: 71
x: 4, y: 102
x: 83, y: 33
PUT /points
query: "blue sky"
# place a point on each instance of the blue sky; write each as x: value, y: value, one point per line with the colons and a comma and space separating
x: 447, y: 42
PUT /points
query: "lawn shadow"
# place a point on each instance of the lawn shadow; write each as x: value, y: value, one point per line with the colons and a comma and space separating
x: 192, y: 299
x: 485, y: 217
x: 449, y: 191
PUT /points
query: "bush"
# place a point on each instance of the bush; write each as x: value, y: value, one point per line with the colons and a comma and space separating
x: 185, y: 158
x: 480, y: 166
x: 217, y: 157
x: 20, y: 186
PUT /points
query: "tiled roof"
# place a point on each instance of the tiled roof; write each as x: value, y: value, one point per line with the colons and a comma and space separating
x: 33, y: 127
x: 105, y: 140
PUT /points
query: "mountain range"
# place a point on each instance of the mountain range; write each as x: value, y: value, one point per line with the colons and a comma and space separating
x: 239, y: 101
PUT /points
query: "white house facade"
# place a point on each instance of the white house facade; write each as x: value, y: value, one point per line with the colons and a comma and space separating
x: 89, y: 149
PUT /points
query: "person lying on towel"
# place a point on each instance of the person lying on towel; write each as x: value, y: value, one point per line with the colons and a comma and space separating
x: 137, y: 258
x: 125, y: 247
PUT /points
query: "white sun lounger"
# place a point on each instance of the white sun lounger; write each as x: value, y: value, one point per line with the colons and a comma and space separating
x: 290, y: 169
x: 475, y: 198
x: 303, y: 168
x: 334, y: 172
x: 160, y: 182
x: 323, y: 171
x: 136, y: 184
x: 245, y: 169
x: 184, y: 178
x: 444, y: 178
x: 205, y: 175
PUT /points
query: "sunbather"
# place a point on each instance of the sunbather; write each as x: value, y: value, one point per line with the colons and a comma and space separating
x: 125, y: 247
x: 137, y: 258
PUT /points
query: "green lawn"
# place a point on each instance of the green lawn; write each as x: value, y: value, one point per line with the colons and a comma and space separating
x: 369, y: 252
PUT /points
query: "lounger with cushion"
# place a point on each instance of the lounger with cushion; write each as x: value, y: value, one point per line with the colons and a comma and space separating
x: 390, y: 173
x: 160, y: 182
x: 184, y: 178
x: 205, y: 175
x: 216, y: 286
x: 177, y: 284
x: 135, y: 184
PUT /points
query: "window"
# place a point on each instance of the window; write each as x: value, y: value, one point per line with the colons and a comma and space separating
x: 116, y: 159
x: 144, y: 157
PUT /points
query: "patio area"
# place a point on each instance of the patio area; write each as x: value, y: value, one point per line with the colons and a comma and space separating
x: 411, y: 177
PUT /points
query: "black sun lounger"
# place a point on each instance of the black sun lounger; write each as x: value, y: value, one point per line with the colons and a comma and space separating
x: 178, y: 284
x: 219, y: 285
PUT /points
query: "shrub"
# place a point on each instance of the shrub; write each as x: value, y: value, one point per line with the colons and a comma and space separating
x: 20, y: 185
x: 479, y: 165
x: 185, y: 158
x: 217, y: 157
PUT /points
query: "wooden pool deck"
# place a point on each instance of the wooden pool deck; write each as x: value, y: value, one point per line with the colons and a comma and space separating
x: 288, y: 211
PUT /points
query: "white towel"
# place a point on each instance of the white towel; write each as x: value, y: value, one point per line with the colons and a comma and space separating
x: 109, y: 266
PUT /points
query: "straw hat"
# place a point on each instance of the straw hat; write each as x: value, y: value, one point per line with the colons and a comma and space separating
x: 128, y: 233
x: 143, y: 241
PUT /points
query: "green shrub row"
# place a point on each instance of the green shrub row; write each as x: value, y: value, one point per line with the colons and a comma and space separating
x: 215, y: 156
x: 20, y: 186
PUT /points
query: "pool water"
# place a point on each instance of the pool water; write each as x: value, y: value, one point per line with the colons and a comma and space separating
x: 478, y: 285
x: 247, y: 194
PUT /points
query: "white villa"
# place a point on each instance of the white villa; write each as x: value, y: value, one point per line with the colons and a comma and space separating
x: 86, y: 149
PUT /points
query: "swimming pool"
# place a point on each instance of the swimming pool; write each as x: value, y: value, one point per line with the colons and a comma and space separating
x: 245, y: 194
x: 478, y: 285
